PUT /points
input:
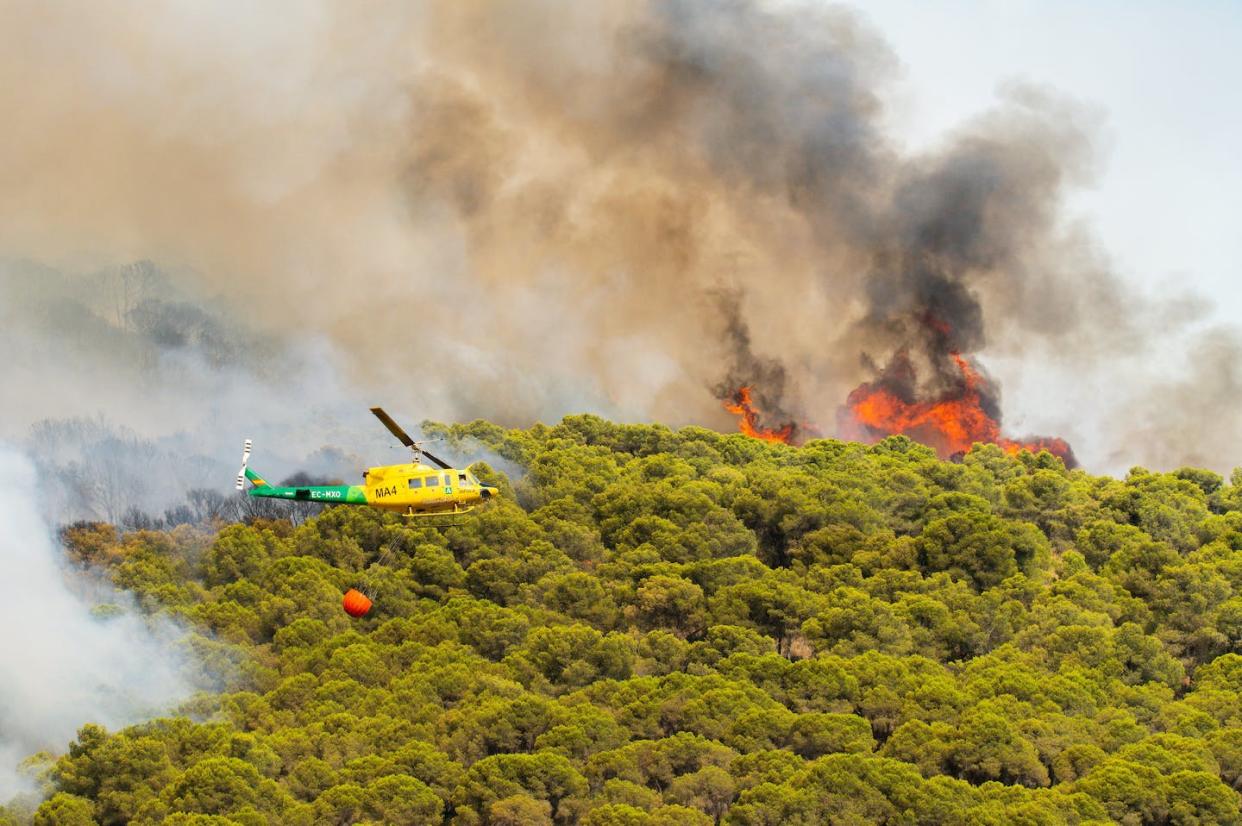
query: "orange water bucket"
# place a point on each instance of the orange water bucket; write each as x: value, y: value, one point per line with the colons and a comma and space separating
x: 356, y: 603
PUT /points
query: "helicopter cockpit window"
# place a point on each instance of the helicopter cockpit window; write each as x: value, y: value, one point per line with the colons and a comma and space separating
x: 416, y: 482
x: 462, y: 480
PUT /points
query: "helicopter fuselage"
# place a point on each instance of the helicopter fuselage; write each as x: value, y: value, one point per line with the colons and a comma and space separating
x: 412, y: 489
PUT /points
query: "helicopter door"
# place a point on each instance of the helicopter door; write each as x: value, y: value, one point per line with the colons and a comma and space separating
x: 434, y: 489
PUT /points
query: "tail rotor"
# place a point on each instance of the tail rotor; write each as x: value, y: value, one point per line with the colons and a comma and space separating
x: 241, y: 474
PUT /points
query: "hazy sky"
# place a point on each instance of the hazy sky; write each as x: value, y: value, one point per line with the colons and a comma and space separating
x: 1165, y: 79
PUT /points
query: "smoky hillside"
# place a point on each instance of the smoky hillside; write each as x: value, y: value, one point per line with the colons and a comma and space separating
x: 657, y: 626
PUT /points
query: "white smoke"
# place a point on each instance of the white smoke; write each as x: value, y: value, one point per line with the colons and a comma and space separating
x: 60, y: 665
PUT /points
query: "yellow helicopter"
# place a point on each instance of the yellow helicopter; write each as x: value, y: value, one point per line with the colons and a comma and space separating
x: 415, y: 489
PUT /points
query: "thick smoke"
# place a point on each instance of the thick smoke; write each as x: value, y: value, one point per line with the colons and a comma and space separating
x: 1199, y: 402
x: 131, y: 395
x: 764, y: 375
x: 64, y: 664
x: 463, y: 212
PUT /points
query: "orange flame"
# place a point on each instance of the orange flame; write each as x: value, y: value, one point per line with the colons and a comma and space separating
x: 948, y: 425
x: 749, y: 416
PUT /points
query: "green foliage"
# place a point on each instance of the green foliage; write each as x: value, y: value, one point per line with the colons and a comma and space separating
x: 659, y: 627
x: 65, y: 810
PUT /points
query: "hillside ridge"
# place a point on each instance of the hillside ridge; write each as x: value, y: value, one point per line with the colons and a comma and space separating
x: 658, y: 626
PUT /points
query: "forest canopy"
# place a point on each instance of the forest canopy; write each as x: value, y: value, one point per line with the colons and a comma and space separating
x: 657, y: 627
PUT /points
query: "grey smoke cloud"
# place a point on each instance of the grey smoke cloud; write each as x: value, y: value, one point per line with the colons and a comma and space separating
x: 64, y: 665
x: 462, y: 212
x: 128, y: 394
x: 1199, y: 399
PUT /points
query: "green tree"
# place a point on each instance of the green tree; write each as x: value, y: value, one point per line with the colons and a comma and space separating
x: 544, y: 777
x: 982, y: 548
x: 673, y: 603
x: 65, y: 810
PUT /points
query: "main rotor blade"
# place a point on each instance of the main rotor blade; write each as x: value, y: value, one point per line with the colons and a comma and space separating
x: 436, y: 459
x: 393, y: 427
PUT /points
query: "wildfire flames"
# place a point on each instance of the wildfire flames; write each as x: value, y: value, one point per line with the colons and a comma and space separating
x: 749, y: 416
x: 949, y: 424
